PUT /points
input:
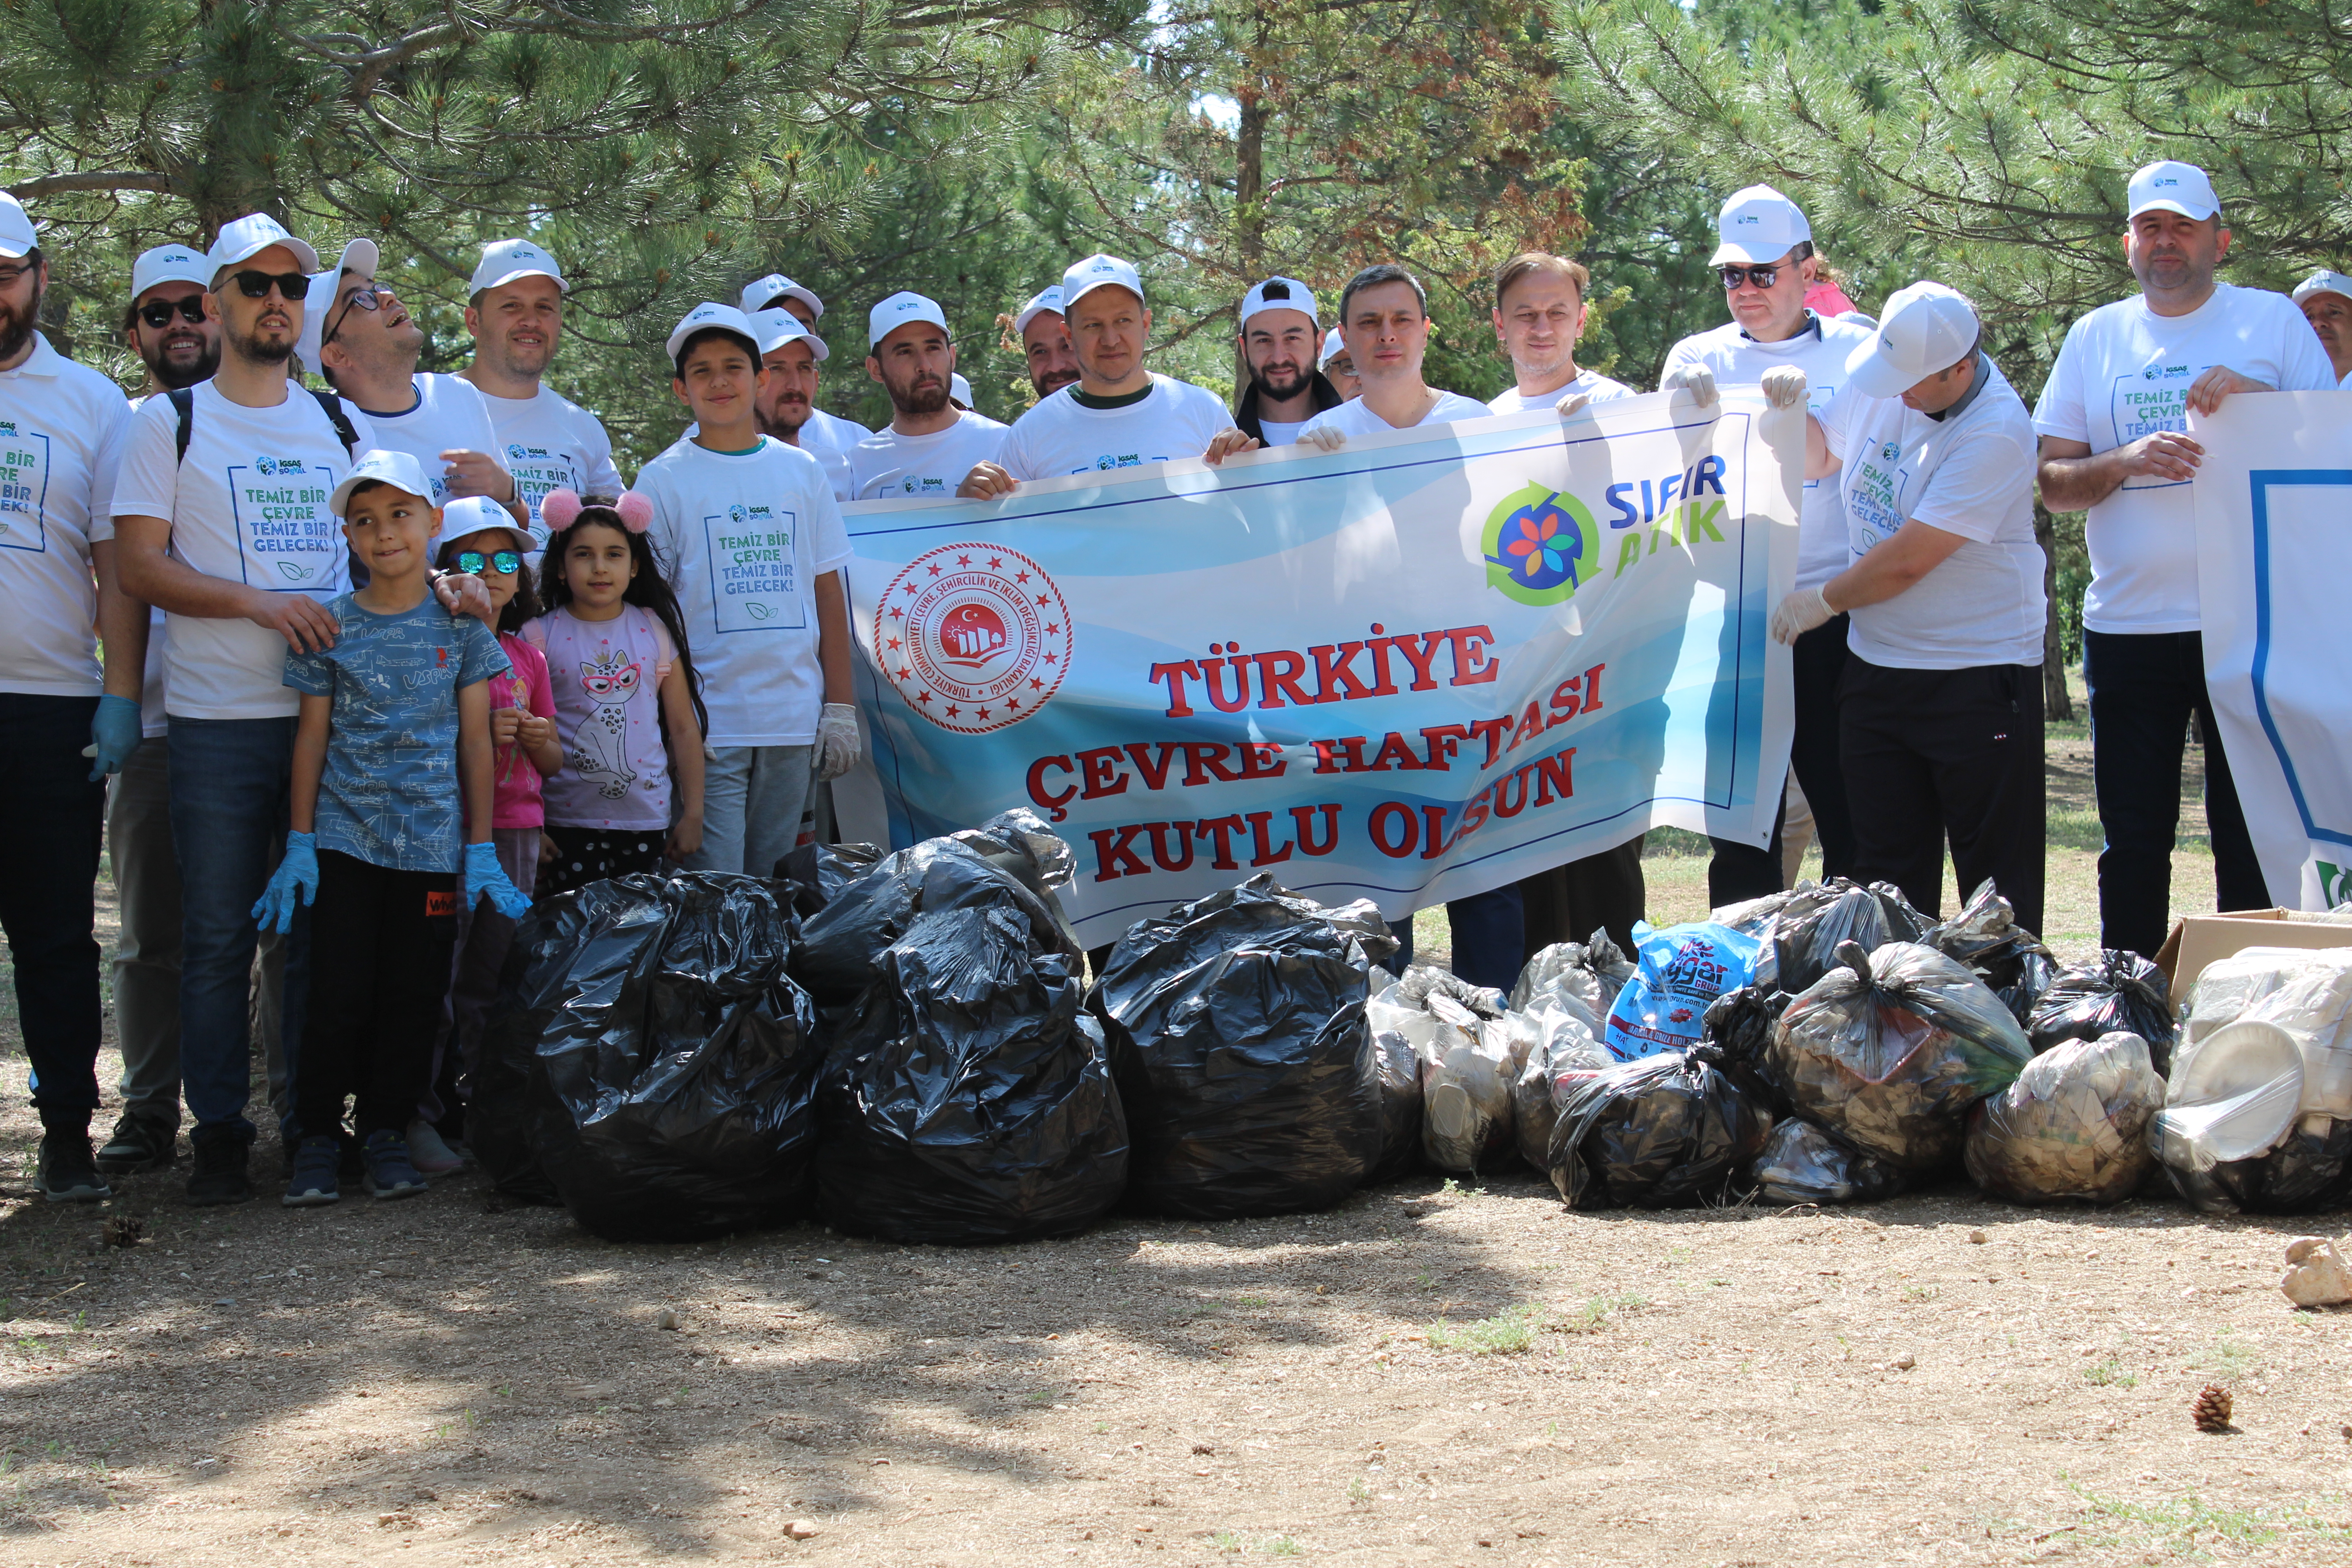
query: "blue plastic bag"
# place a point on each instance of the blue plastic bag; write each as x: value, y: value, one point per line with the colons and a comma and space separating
x: 1677, y: 972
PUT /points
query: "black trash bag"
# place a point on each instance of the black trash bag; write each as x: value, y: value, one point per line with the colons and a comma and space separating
x: 1584, y: 977
x: 819, y: 871
x: 2306, y: 1173
x: 1810, y: 927
x: 1400, y: 1074
x: 1756, y: 917
x: 2117, y: 991
x: 997, y: 866
x: 671, y: 1090
x: 1803, y: 1165
x: 970, y: 1098
x: 1665, y: 1131
x: 1891, y: 1049
x: 1738, y: 1027
x: 2011, y: 959
x: 1238, y: 1040
x: 2074, y: 1125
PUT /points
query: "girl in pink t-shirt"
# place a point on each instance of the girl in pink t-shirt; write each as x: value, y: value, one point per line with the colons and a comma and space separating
x: 628, y: 714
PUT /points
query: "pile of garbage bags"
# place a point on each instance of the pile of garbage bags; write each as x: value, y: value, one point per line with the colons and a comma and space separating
x: 2073, y: 1124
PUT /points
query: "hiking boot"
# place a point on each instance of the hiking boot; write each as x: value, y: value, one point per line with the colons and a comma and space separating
x: 313, y: 1182
x: 139, y: 1143
x: 220, y: 1174
x: 65, y: 1170
x: 390, y: 1172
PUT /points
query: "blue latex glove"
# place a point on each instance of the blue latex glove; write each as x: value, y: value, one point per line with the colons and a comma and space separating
x: 485, y: 878
x: 293, y: 884
x: 114, y: 735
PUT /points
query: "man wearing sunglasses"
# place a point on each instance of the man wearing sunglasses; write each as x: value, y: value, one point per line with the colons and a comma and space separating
x: 1764, y: 258
x: 234, y: 539
x: 514, y: 310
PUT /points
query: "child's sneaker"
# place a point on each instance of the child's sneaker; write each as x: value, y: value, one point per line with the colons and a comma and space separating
x: 391, y: 1173
x: 430, y: 1152
x: 313, y: 1179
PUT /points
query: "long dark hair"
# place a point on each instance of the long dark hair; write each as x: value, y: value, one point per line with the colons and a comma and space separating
x: 525, y: 606
x: 648, y: 589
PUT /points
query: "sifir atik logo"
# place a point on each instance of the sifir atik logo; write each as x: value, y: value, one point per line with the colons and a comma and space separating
x: 1539, y: 545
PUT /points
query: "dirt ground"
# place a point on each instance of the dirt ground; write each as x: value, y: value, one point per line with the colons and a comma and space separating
x: 1436, y: 1372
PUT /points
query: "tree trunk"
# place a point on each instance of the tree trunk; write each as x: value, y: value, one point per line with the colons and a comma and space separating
x: 2055, y: 701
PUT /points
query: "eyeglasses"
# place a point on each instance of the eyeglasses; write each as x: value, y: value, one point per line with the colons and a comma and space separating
x: 291, y: 286
x: 1762, y: 277
x: 367, y: 297
x: 159, y: 314
x: 505, y: 562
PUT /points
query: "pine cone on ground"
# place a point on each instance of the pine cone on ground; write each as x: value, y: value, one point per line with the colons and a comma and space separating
x: 123, y: 1229
x: 2211, y: 1410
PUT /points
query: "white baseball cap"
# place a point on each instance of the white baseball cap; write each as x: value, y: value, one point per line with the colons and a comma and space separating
x: 168, y: 264
x: 1045, y: 301
x: 1333, y: 345
x: 709, y: 314
x: 1921, y: 329
x: 17, y: 233
x: 466, y: 515
x: 401, y: 470
x: 504, y: 261
x: 2323, y: 282
x: 900, y: 309
x: 1279, y: 294
x: 960, y: 389
x: 2173, y: 188
x: 359, y: 256
x: 761, y: 294
x: 1758, y: 225
x: 1093, y: 273
x: 247, y: 237
x: 771, y: 330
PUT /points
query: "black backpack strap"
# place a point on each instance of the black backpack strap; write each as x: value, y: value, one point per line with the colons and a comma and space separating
x: 333, y: 406
x: 184, y: 404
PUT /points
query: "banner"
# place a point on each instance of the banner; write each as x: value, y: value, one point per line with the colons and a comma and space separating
x: 1416, y: 668
x: 2273, y: 557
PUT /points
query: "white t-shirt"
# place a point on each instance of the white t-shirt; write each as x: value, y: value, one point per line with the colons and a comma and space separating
x: 1355, y: 418
x: 549, y: 443
x: 1820, y: 351
x: 2125, y: 372
x: 888, y: 466
x: 1598, y: 388
x: 101, y: 526
x: 57, y: 419
x: 1058, y: 437
x: 830, y: 439
x: 248, y: 505
x: 743, y: 539
x: 448, y: 416
x: 1969, y: 473
x: 1282, y: 432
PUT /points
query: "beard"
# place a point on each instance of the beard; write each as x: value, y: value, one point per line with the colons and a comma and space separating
x: 1052, y: 380
x: 785, y: 420
x: 259, y: 349
x: 16, y: 328
x: 1281, y: 381
x: 919, y: 400
x: 183, y: 359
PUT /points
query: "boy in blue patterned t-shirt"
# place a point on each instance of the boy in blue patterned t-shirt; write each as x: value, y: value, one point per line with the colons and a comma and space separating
x: 395, y: 719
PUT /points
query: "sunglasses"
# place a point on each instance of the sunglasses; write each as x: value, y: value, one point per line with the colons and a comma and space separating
x: 505, y: 562
x: 291, y: 286
x: 159, y: 315
x: 1762, y: 277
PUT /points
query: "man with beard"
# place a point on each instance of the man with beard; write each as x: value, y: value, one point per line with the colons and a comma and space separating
x: 220, y: 512
x: 515, y: 312
x: 1278, y: 338
x: 824, y: 437
x: 929, y: 444
x: 56, y: 421
x: 1045, y: 337
x: 786, y: 399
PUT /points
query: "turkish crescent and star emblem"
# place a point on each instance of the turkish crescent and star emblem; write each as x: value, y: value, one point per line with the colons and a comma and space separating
x: 974, y: 636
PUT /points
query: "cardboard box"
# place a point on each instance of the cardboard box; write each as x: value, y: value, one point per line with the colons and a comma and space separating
x: 2201, y: 940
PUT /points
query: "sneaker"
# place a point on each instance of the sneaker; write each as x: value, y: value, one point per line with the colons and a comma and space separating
x: 430, y: 1152
x: 64, y: 1170
x: 220, y: 1174
x: 390, y: 1172
x: 139, y: 1143
x: 312, y: 1182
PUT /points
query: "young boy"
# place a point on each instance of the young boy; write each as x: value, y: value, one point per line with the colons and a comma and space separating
x: 751, y: 538
x: 395, y: 717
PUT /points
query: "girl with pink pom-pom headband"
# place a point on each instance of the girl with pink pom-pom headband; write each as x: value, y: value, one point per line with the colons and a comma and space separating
x: 563, y: 507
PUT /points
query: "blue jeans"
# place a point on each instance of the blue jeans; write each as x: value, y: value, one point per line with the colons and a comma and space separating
x: 229, y: 806
x: 47, y: 893
x: 753, y: 798
x: 1487, y: 937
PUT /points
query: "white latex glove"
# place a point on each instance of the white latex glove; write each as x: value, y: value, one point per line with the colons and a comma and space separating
x: 1573, y: 403
x: 1784, y: 387
x: 1802, y: 611
x: 1324, y: 438
x: 836, y: 741
x: 1695, y: 379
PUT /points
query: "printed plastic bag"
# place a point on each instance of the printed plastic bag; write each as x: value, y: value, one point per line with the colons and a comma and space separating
x: 1565, y: 1053
x: 1660, y: 1132
x: 2116, y: 991
x: 1238, y: 1038
x: 1808, y: 929
x: 1680, y: 971
x: 1584, y: 977
x: 1891, y: 1049
x: 1985, y: 937
x: 2074, y: 1125
x: 1803, y: 1165
x: 969, y: 1100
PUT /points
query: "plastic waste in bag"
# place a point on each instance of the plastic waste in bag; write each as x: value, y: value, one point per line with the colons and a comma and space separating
x: 1985, y: 937
x: 2304, y: 1171
x: 1680, y: 970
x: 1891, y: 1049
x: 1584, y: 977
x: 2226, y: 987
x: 2235, y: 1137
x: 1465, y: 1087
x: 970, y: 1098
x: 1803, y: 1165
x: 2074, y: 1125
x: 1565, y: 1052
x: 1755, y: 917
x: 1399, y: 1075
x: 1738, y: 1028
x: 1808, y: 929
x: 1421, y: 982
x: 1238, y: 1039
x: 1660, y: 1133
x: 2117, y: 990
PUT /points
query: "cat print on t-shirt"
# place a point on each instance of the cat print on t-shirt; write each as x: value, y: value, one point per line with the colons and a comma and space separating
x: 607, y: 676
x: 600, y: 749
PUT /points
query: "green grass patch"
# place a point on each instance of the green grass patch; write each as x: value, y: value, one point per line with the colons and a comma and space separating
x: 1599, y: 1312
x: 1509, y: 1332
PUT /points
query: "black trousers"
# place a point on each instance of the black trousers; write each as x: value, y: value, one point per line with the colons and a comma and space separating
x: 1818, y: 659
x: 46, y: 894
x: 1938, y: 754
x: 1569, y: 903
x: 379, y: 946
x: 2143, y: 689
